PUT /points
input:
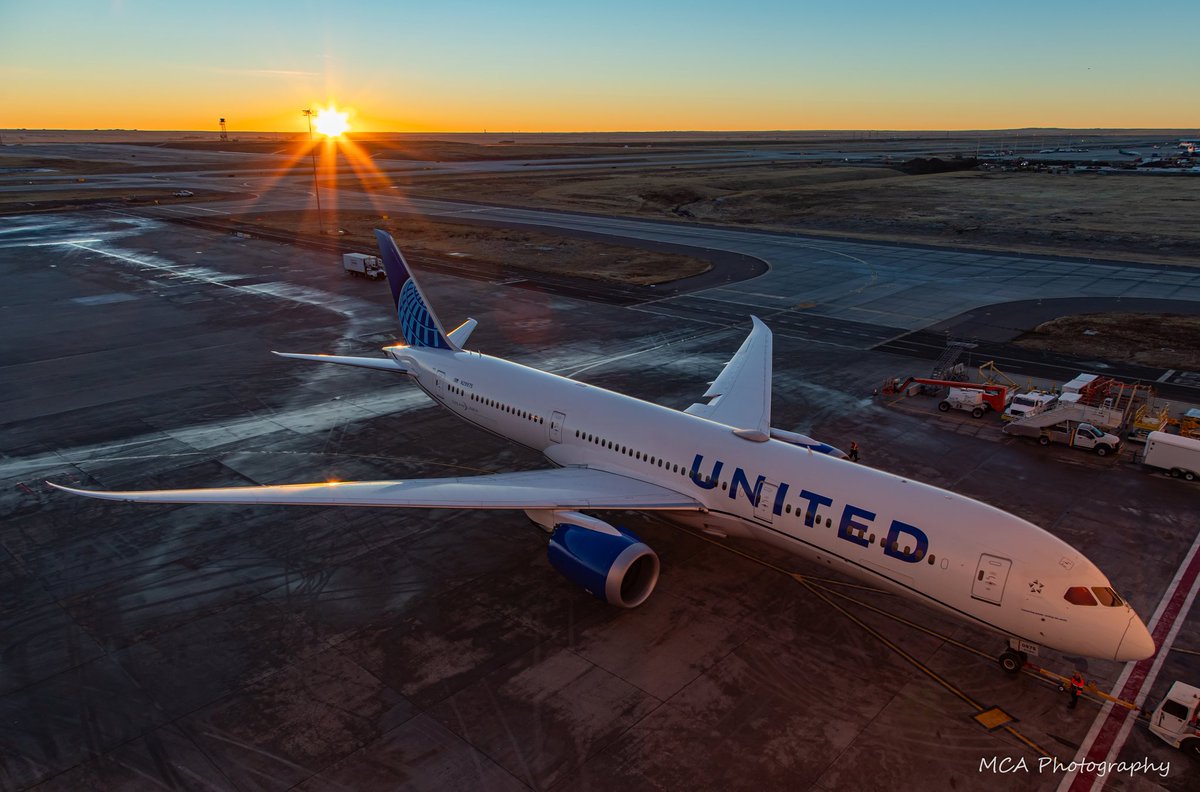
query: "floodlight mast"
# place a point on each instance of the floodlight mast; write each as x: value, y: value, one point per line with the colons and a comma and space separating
x: 316, y: 188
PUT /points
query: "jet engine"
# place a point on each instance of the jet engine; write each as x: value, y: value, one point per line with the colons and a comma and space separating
x: 609, y: 563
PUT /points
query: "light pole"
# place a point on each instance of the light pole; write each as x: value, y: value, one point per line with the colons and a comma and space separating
x: 316, y: 189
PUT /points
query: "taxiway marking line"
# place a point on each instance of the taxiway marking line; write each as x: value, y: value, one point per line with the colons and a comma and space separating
x: 936, y: 677
x: 817, y: 589
x: 1112, y: 726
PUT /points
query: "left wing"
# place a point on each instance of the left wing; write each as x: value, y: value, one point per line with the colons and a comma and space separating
x: 741, y: 393
x: 558, y: 489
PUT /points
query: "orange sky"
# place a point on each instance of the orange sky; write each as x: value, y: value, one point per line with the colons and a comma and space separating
x: 530, y: 66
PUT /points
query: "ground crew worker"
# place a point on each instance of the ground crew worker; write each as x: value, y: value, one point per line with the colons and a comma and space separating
x: 853, y: 451
x: 1076, y: 688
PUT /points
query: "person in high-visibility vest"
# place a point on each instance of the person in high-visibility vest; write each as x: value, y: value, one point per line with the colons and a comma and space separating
x: 1076, y: 689
x: 853, y: 451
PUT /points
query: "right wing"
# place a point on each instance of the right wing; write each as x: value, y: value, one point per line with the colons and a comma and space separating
x: 557, y: 489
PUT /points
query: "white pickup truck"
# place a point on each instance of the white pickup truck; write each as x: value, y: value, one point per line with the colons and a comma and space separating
x: 1082, y: 435
x: 1177, y: 719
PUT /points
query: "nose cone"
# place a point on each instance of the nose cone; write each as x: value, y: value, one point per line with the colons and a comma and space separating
x: 1136, y: 643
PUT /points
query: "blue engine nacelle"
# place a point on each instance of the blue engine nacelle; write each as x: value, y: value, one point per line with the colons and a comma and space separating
x: 612, y: 566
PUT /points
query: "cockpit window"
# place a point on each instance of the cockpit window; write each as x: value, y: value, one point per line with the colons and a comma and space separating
x: 1108, y: 597
x: 1079, y: 595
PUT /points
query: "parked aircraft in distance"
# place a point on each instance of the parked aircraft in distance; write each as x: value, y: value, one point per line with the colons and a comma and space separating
x: 718, y: 467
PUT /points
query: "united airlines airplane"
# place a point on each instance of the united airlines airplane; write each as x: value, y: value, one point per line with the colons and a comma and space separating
x: 718, y: 467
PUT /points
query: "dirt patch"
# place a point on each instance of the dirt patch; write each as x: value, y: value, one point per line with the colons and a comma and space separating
x: 485, y: 248
x: 1134, y: 218
x: 1166, y: 341
x: 55, y: 200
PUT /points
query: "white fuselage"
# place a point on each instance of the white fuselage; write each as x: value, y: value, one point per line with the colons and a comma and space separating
x: 944, y: 550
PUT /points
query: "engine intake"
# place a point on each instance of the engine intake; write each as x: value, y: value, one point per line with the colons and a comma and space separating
x: 615, y: 567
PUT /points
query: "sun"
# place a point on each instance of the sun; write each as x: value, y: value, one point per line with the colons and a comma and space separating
x: 331, y: 122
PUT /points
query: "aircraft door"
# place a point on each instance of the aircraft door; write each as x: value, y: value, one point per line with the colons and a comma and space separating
x: 440, y: 383
x: 556, y: 425
x: 990, y: 578
x: 766, y: 502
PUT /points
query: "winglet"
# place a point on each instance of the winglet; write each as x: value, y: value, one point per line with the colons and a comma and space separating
x: 418, y: 323
x: 740, y: 396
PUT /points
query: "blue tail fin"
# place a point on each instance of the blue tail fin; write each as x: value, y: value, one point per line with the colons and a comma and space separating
x: 418, y: 323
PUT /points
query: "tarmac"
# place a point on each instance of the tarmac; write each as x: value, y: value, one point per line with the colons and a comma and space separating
x: 264, y: 648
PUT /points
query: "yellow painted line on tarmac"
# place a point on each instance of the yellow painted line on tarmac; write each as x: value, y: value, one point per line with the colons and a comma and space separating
x: 935, y: 676
x: 912, y: 624
x: 820, y: 591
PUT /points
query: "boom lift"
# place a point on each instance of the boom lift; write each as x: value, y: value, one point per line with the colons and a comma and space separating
x: 991, y: 395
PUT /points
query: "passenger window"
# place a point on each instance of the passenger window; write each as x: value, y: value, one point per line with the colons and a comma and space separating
x: 1107, y: 597
x: 1079, y: 595
x: 931, y: 557
x: 828, y: 522
x: 788, y: 508
x: 724, y: 485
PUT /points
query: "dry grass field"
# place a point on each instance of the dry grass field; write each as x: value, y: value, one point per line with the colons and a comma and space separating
x: 484, y: 248
x: 1138, y: 218
x: 1169, y: 341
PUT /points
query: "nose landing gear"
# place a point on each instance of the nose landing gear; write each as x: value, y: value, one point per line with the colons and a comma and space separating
x: 1012, y: 661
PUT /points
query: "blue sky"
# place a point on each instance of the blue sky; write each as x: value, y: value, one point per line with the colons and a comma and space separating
x: 541, y: 66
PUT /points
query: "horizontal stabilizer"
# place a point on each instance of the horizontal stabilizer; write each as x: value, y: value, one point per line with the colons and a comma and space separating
x: 459, y: 335
x: 562, y: 488
x: 385, y: 364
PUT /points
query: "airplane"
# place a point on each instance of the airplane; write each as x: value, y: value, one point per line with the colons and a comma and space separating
x: 720, y: 468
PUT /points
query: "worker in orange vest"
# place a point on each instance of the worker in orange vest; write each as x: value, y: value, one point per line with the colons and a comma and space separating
x: 853, y: 451
x: 1076, y: 688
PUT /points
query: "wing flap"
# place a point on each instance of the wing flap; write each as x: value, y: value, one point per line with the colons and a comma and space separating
x: 563, y: 488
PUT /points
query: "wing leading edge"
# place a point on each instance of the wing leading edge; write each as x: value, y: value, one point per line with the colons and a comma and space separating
x: 741, y: 393
x: 562, y: 488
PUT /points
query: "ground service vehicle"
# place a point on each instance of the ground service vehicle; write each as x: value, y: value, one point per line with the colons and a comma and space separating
x: 1082, y: 435
x: 962, y: 399
x: 1179, y: 456
x: 1175, y: 719
x: 363, y: 266
x: 1030, y: 403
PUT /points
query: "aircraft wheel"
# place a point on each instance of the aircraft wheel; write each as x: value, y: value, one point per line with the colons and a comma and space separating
x: 1012, y: 661
x: 1043, y: 440
x: 944, y: 406
x: 1189, y: 475
x: 977, y: 412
